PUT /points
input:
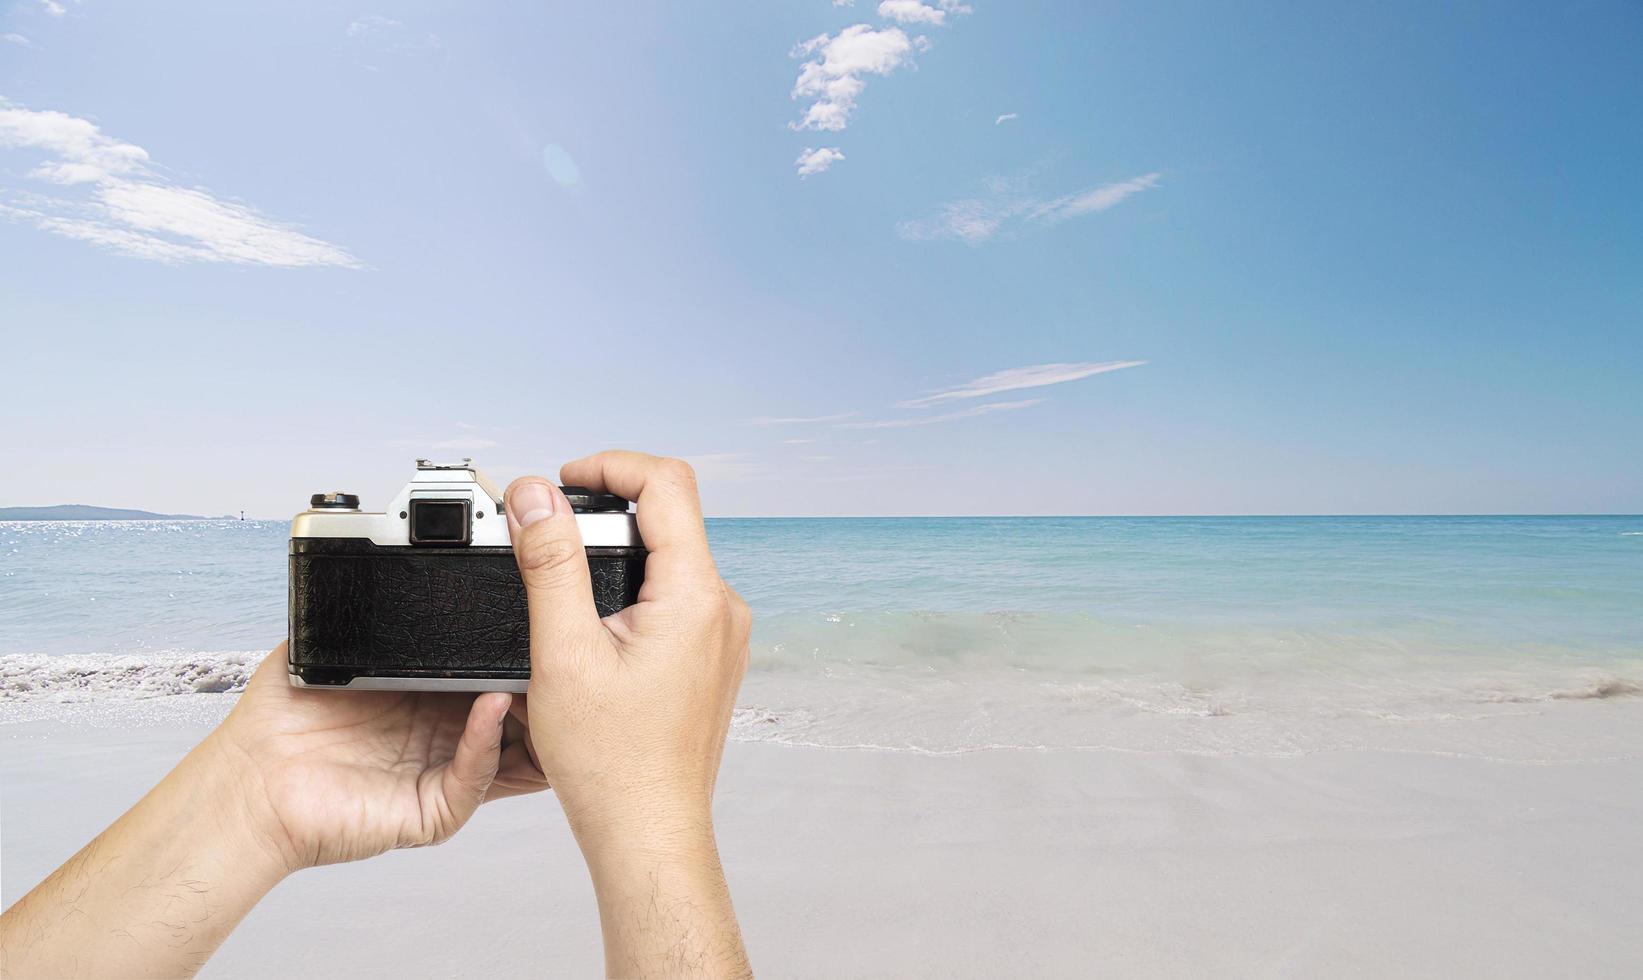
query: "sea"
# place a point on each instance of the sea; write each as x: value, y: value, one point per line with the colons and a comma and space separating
x: 1511, y: 638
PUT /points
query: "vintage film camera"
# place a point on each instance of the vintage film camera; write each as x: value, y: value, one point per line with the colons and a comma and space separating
x: 426, y: 595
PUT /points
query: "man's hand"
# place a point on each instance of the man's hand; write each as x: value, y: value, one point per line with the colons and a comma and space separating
x: 342, y: 775
x: 292, y: 778
x: 628, y: 715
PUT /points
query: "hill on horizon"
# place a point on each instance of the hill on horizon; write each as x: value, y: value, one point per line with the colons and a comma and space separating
x: 86, y: 512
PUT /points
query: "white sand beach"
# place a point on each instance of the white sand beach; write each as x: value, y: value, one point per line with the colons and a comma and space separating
x: 986, y: 864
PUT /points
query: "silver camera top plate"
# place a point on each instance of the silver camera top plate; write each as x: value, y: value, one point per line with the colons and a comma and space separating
x: 445, y: 482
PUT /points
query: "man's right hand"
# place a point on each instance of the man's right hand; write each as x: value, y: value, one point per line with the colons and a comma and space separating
x: 628, y: 715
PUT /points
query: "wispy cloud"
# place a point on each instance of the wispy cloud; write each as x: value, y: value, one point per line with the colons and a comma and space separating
x: 818, y: 160
x: 978, y: 220
x: 833, y: 76
x: 967, y: 413
x: 1095, y: 199
x: 797, y: 442
x: 1010, y: 379
x: 916, y: 12
x: 1015, y: 379
x: 373, y: 24
x: 801, y: 420
x: 451, y: 445
x: 53, y: 8
x: 120, y: 200
x: 1001, y: 120
x: 458, y: 444
x: 389, y: 35
x: 16, y: 39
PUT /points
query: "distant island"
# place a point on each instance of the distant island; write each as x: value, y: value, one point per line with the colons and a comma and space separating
x: 83, y: 512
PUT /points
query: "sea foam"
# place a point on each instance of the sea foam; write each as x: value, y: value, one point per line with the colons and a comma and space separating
x: 123, y: 677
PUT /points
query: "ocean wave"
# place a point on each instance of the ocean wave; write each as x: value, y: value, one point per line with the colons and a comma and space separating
x: 123, y: 677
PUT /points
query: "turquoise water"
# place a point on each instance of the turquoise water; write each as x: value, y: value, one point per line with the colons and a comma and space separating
x: 946, y: 634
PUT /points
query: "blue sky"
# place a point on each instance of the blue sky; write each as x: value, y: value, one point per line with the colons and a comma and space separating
x: 1377, y: 258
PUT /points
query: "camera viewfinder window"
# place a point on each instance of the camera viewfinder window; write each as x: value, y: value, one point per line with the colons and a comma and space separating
x: 439, y: 522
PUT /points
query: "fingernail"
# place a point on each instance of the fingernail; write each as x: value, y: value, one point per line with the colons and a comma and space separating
x: 531, y: 502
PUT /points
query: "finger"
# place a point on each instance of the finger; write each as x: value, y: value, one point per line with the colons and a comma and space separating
x: 518, y: 729
x: 669, y: 511
x: 273, y: 668
x: 513, y: 730
x: 516, y: 774
x: 473, y: 766
x: 548, y: 547
x: 269, y: 683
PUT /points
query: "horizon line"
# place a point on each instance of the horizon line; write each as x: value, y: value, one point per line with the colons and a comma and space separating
x: 947, y: 517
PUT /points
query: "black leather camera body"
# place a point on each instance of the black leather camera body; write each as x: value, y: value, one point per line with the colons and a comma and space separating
x: 426, y: 595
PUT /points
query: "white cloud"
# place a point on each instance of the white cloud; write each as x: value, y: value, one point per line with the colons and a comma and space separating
x: 977, y: 220
x: 912, y: 12
x: 72, y: 140
x: 459, y: 444
x: 125, y: 204
x: 918, y: 12
x: 971, y: 221
x: 1001, y: 120
x: 796, y: 442
x: 801, y: 420
x: 452, y: 445
x: 844, y: 3
x: 1014, y: 379
x: 17, y: 39
x: 53, y: 8
x: 833, y: 75
x: 1096, y: 199
x: 389, y: 36
x: 967, y: 413
x: 373, y: 24
x: 818, y: 160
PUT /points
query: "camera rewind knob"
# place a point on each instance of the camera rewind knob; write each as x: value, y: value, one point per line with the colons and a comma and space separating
x: 334, y: 501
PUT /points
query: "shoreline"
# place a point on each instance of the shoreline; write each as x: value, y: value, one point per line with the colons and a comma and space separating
x: 1593, y: 718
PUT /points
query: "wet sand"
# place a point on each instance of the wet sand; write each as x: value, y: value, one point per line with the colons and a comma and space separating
x: 1053, y: 863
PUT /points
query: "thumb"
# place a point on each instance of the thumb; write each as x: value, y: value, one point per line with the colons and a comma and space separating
x: 473, y: 765
x: 548, y: 547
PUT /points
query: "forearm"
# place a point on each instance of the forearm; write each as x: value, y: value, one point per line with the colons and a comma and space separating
x: 157, y: 892
x: 664, y: 906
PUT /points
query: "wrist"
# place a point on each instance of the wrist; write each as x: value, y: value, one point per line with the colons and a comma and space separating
x: 664, y: 906
x: 241, y: 811
x: 642, y: 829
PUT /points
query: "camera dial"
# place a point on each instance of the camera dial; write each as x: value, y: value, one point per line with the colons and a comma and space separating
x: 585, y: 501
x: 334, y: 501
